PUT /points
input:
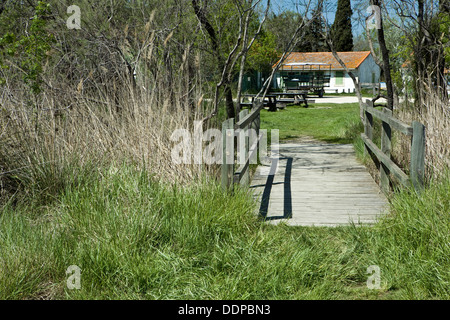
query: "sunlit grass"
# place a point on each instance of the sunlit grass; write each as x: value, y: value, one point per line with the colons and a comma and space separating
x: 334, y: 123
x: 136, y: 239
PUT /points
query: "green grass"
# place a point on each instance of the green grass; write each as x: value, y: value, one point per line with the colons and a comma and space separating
x: 136, y: 238
x: 336, y: 123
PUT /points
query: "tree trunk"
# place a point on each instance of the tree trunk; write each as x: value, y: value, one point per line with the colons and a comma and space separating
x: 229, y: 102
x: 419, y: 55
x: 386, y: 62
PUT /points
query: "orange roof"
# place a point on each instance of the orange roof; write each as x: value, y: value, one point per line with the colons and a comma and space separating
x: 352, y: 60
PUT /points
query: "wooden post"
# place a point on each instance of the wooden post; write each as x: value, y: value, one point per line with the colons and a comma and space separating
x: 256, y: 124
x: 417, y: 168
x: 368, y: 125
x: 253, y: 136
x: 227, y: 153
x: 243, y: 148
x: 386, y: 136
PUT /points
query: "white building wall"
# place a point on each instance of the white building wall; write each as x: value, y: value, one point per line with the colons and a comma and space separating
x: 347, y: 85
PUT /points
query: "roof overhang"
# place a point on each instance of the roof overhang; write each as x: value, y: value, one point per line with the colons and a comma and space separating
x: 307, y: 64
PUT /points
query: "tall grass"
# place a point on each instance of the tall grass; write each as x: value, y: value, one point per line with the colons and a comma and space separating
x: 87, y: 179
x: 135, y: 238
x: 48, y: 145
x: 434, y: 113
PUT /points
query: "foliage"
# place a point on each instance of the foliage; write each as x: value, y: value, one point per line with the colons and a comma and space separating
x: 444, y: 28
x: 264, y: 53
x: 283, y: 26
x: 341, y: 30
x: 313, y: 39
x: 400, y: 58
x: 32, y: 47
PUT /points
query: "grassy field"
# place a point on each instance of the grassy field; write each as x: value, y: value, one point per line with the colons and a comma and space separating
x: 135, y: 238
x: 335, y: 123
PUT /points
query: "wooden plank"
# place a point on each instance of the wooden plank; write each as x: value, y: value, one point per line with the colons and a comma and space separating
x: 250, y: 117
x: 393, y: 122
x: 368, y: 125
x: 417, y: 165
x: 238, y: 175
x: 386, y: 136
x: 393, y: 168
x: 243, y: 176
x: 254, y: 126
x: 227, y: 153
x: 324, y: 195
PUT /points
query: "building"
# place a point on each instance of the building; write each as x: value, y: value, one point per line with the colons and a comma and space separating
x: 323, y: 65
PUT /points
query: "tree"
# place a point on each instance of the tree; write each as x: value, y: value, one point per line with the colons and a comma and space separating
x: 313, y: 40
x: 282, y: 26
x: 386, y: 65
x: 341, y: 30
x: 239, y: 41
x: 361, y: 43
x: 425, y: 26
x: 264, y: 53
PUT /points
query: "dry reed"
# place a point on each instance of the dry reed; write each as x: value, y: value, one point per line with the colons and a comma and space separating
x: 48, y: 145
x: 435, y: 115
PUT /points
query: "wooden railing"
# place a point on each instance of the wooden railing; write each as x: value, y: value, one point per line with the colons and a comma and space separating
x: 246, y: 145
x: 386, y: 165
x: 375, y: 86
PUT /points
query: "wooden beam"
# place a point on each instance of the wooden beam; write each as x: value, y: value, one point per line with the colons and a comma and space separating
x: 394, y: 123
x: 250, y: 117
x: 390, y: 165
x: 227, y: 155
x: 386, y: 136
x: 243, y: 145
x: 417, y: 165
x: 238, y: 175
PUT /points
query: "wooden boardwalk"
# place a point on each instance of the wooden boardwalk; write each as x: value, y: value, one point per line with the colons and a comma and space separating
x: 317, y: 184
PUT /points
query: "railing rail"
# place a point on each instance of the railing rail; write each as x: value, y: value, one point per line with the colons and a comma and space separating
x: 383, y: 155
x: 375, y: 86
x: 246, y: 144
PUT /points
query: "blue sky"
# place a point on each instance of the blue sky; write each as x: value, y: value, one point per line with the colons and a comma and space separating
x: 329, y: 9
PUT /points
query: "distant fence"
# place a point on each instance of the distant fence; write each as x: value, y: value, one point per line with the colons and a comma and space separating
x: 417, y: 133
x: 376, y: 87
x: 246, y: 144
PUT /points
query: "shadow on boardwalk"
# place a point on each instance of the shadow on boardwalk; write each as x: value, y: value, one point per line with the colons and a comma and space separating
x: 317, y: 184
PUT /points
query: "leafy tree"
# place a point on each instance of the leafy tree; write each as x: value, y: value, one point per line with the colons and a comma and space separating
x: 341, y: 30
x: 313, y: 40
x: 35, y: 46
x: 264, y: 53
x: 361, y: 43
x: 32, y: 46
x: 283, y: 26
